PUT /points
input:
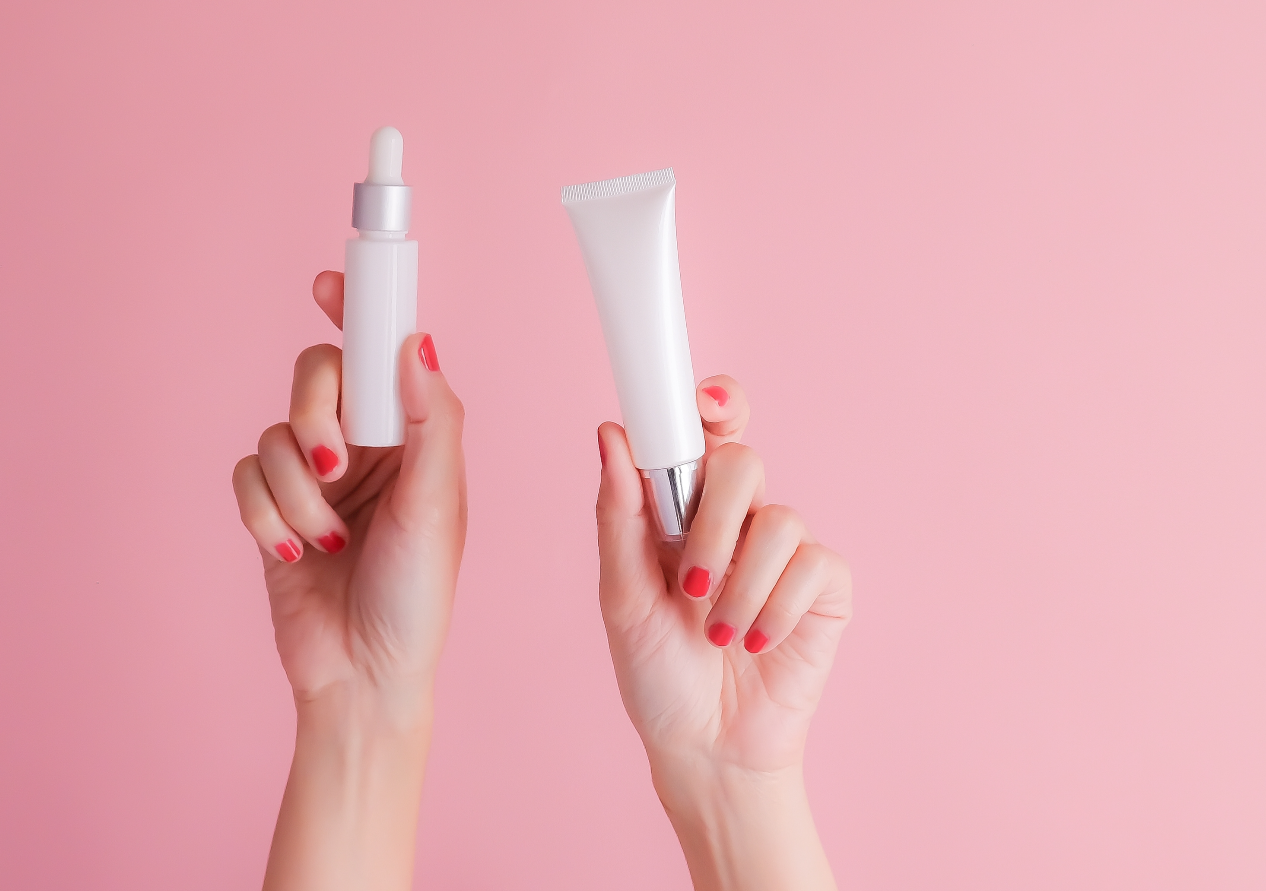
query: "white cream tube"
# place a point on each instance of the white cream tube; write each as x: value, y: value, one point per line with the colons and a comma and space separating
x: 628, y: 235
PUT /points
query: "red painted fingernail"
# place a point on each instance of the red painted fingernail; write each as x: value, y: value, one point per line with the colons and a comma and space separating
x: 324, y: 459
x: 602, y: 451
x: 427, y: 352
x: 721, y: 634
x: 698, y: 581
x: 288, y: 551
x: 719, y: 394
x: 332, y: 542
x: 755, y: 641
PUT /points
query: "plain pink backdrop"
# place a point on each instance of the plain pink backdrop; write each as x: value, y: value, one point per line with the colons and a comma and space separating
x: 992, y: 273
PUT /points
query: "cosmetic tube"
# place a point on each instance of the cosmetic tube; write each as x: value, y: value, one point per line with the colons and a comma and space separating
x: 380, y: 297
x: 628, y: 235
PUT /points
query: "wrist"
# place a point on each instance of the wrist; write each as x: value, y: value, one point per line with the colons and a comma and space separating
x: 349, y: 814
x: 351, y: 712
x: 743, y: 829
x: 368, y: 749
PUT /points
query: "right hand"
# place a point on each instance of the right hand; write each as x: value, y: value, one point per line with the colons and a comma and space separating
x: 722, y: 647
x: 721, y: 650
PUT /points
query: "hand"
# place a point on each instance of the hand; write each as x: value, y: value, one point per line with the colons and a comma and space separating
x: 361, y: 549
x: 721, y: 651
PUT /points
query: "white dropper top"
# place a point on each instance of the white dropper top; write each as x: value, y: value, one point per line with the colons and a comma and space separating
x: 386, y: 157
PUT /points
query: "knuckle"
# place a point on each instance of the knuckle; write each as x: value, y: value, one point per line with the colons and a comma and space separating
x: 315, y: 356
x: 301, y: 420
x: 244, y: 470
x: 738, y: 459
x: 835, y: 566
x: 302, y: 511
x: 780, y: 520
x: 777, y: 616
x: 455, y: 410
x: 447, y: 418
x: 819, y: 560
x: 846, y: 575
x: 837, y: 578
x: 254, y: 517
x: 275, y: 437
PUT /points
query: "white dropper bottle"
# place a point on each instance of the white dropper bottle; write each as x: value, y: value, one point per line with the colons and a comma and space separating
x: 380, y: 297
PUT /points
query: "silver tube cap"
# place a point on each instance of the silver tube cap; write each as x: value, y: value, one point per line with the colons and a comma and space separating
x: 673, y: 493
x: 378, y: 207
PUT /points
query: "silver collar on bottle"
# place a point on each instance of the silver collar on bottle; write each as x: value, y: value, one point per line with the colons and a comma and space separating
x: 379, y: 207
x: 673, y: 493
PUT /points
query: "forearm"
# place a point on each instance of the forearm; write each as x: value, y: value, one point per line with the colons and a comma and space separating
x: 349, y: 815
x: 744, y: 831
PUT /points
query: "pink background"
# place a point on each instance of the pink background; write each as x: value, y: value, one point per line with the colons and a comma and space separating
x: 992, y: 273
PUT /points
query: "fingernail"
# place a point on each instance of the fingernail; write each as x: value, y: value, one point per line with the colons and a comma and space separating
x: 332, y: 542
x: 698, y: 581
x: 602, y: 451
x: 755, y: 641
x: 288, y: 551
x: 721, y: 634
x: 718, y: 394
x: 427, y: 352
x: 324, y: 459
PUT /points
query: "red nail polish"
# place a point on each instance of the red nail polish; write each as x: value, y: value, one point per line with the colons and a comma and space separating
x: 332, y: 542
x: 427, y: 352
x: 324, y: 459
x: 718, y: 394
x: 698, y: 581
x: 755, y: 641
x: 602, y: 451
x: 721, y: 634
x: 288, y: 551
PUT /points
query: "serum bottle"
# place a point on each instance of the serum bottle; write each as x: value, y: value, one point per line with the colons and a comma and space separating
x: 380, y: 297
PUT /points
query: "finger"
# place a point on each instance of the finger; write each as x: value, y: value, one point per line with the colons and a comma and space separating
x: 733, y: 486
x: 314, y: 410
x: 430, y: 494
x: 260, y: 515
x: 723, y: 409
x: 816, y: 580
x: 296, y: 491
x: 631, y: 579
x: 774, y: 535
x: 327, y: 290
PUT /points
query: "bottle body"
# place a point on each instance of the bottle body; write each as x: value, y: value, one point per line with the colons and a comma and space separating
x: 380, y: 310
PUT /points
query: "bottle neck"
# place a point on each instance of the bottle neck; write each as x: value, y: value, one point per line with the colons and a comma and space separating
x: 380, y: 235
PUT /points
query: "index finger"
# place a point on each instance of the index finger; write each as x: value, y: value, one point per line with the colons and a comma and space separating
x: 723, y: 409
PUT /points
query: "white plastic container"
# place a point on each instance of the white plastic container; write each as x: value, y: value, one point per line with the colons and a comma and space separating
x: 628, y: 235
x: 380, y: 297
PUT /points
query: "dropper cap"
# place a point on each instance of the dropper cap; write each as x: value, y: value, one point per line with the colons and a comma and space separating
x: 383, y: 203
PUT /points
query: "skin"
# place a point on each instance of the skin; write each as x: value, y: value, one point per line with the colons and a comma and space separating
x: 359, y: 632
x: 361, y: 549
x: 724, y: 729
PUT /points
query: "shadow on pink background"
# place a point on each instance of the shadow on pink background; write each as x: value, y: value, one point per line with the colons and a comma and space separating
x: 993, y: 277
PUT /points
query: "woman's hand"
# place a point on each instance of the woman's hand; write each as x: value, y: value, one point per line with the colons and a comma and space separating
x: 361, y: 548
x: 721, y: 651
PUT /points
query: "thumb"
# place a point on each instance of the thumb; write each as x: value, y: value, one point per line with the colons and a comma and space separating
x: 631, y: 581
x: 430, y: 495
